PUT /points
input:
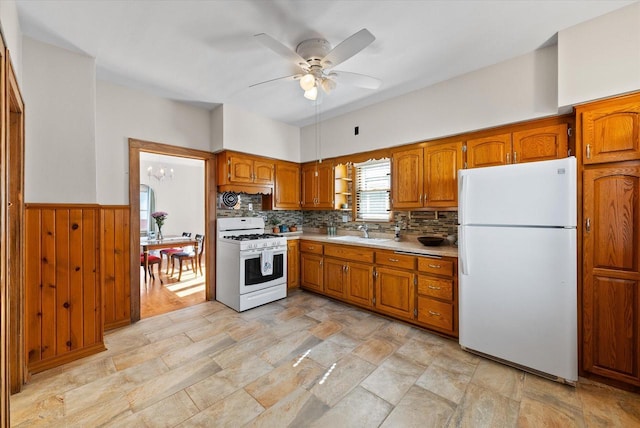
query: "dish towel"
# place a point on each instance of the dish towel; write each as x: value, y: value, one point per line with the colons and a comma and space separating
x: 266, y: 262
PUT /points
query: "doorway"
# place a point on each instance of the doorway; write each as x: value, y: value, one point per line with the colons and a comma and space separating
x: 172, y: 185
x: 136, y: 149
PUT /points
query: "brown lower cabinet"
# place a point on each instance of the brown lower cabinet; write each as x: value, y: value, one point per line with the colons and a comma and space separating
x: 611, y: 272
x: 419, y: 289
x: 293, y: 263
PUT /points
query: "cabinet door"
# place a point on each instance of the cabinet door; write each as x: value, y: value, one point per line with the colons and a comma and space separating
x: 407, y: 179
x: 546, y: 143
x: 325, y: 183
x: 293, y: 263
x: 334, y: 277
x: 308, y: 186
x: 287, y: 186
x: 489, y: 151
x: 263, y: 173
x: 311, y: 272
x: 359, y: 288
x: 441, y: 165
x: 240, y: 169
x: 395, y: 292
x: 611, y: 263
x: 610, y: 133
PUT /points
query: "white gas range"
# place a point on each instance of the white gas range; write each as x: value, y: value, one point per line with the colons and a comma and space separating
x: 251, y: 265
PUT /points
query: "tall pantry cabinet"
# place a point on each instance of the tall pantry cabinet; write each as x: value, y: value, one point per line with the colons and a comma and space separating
x: 608, y: 147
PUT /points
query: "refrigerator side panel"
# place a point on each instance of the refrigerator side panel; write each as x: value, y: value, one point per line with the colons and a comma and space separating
x: 528, y: 194
x: 518, y: 297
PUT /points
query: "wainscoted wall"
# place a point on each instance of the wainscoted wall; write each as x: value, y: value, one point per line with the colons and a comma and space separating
x: 418, y: 223
x: 114, y: 265
x: 63, y: 297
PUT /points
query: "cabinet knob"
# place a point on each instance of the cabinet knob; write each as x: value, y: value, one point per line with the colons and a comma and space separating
x: 508, y: 158
x: 393, y: 260
x: 588, y: 225
x: 435, y: 314
x: 588, y: 151
x: 432, y: 287
x: 434, y: 266
x: 515, y: 157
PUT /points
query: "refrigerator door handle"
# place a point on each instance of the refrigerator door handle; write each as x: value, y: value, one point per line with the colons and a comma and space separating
x: 462, y: 198
x: 462, y: 252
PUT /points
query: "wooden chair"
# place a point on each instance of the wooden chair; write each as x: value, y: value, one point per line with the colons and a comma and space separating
x: 168, y: 251
x: 189, y: 256
x: 152, y: 260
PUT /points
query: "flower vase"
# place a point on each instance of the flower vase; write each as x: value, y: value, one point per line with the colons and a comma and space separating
x: 159, y: 233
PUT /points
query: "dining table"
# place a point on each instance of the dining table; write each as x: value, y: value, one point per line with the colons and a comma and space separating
x: 166, y: 242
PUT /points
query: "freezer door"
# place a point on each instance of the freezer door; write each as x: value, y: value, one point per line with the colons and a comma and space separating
x: 518, y: 298
x: 529, y: 194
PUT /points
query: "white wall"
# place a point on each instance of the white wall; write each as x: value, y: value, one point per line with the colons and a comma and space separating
x: 12, y: 34
x: 181, y: 197
x: 600, y: 57
x: 518, y: 89
x: 124, y: 113
x: 243, y: 131
x: 60, y: 154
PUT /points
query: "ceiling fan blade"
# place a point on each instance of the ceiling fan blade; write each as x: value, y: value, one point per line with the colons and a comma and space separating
x: 285, y: 78
x: 359, y: 80
x: 348, y: 48
x: 282, y: 50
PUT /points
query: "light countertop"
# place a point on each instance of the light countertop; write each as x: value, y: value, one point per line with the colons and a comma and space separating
x: 407, y: 244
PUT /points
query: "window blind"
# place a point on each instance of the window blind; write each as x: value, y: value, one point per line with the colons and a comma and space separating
x: 372, y: 189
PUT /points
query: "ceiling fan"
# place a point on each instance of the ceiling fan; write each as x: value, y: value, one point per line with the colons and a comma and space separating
x: 316, y: 60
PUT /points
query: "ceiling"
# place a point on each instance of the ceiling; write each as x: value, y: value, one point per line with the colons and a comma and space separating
x: 203, y: 52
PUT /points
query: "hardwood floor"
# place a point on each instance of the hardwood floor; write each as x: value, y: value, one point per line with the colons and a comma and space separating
x: 303, y: 361
x: 159, y: 298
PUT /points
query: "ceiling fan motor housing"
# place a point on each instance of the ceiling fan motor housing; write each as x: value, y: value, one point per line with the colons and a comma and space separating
x: 313, y: 50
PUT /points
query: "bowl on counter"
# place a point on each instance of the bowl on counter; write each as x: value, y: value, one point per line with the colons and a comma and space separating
x: 430, y: 241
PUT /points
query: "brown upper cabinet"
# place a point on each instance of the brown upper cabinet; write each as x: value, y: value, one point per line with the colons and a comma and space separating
x: 317, y: 185
x: 286, y: 189
x: 529, y: 145
x: 489, y: 151
x: 239, y: 168
x: 610, y: 131
x: 426, y: 177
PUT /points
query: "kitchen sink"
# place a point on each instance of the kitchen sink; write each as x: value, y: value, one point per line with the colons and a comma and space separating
x: 358, y: 239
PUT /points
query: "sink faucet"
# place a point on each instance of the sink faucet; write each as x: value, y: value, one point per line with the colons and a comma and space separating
x: 365, y: 229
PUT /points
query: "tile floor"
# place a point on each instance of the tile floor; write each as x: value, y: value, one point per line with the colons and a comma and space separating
x: 303, y: 361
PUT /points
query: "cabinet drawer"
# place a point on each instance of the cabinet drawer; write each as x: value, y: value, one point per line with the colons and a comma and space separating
x: 311, y: 247
x: 435, y: 313
x: 358, y: 254
x: 435, y: 266
x: 400, y: 261
x: 434, y: 287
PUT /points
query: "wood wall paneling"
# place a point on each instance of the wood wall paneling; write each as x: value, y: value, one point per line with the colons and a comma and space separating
x: 63, y: 315
x: 115, y: 266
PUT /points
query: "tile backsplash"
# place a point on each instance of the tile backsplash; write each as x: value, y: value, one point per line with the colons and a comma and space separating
x: 439, y: 223
x: 247, y: 201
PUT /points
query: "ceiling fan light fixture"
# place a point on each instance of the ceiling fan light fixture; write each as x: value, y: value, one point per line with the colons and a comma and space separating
x: 307, y: 82
x: 328, y: 85
x: 311, y: 94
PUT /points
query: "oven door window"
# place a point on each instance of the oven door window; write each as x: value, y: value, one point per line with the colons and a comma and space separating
x: 253, y: 274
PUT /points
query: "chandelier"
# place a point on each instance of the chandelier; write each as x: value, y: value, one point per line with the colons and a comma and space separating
x: 160, y: 173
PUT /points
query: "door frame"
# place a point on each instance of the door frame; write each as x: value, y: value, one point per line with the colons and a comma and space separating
x: 135, y: 148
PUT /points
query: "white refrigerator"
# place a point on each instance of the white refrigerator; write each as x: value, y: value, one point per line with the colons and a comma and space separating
x: 518, y: 265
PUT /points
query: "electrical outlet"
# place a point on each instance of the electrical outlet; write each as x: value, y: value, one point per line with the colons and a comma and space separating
x: 345, y: 218
x: 250, y: 207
